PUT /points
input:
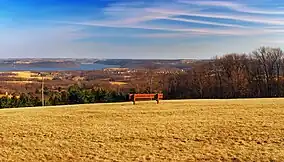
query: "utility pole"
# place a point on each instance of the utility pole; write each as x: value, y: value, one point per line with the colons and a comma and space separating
x: 42, y: 90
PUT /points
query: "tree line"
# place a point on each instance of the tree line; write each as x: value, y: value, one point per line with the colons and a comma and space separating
x: 75, y: 94
x: 256, y: 75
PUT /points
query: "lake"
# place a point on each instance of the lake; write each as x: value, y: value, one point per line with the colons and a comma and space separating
x: 82, y: 67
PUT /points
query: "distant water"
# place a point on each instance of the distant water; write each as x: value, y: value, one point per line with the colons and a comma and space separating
x: 82, y: 67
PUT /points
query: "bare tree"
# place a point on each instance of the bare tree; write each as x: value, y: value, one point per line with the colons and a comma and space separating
x: 269, y: 60
x: 234, y: 74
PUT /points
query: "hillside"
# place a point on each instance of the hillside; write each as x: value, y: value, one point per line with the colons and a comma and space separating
x: 200, y: 130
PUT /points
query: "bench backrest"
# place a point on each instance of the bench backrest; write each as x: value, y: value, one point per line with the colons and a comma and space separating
x: 148, y: 96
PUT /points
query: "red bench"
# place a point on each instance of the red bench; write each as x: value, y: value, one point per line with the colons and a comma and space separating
x: 157, y: 97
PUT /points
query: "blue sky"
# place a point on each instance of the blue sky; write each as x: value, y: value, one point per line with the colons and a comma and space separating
x: 165, y: 29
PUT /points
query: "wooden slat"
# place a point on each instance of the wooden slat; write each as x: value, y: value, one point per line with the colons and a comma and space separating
x: 145, y: 95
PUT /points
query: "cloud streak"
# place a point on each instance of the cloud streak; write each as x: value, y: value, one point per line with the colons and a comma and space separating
x: 184, y: 31
x: 187, y: 30
x: 244, y: 18
x: 234, y: 6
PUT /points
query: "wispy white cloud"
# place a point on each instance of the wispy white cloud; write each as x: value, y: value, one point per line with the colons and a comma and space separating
x: 183, y: 31
x: 234, y: 6
x: 99, y: 24
x: 205, y: 22
x: 245, y: 18
x: 139, y: 16
x: 169, y: 16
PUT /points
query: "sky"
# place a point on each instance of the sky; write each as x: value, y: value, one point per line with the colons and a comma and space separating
x: 145, y: 29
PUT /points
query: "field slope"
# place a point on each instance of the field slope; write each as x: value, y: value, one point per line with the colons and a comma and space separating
x: 226, y: 130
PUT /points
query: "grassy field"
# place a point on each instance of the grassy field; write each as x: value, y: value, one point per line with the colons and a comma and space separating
x: 29, y: 75
x: 202, y: 130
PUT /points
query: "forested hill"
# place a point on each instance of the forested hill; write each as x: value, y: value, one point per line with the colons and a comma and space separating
x: 136, y: 63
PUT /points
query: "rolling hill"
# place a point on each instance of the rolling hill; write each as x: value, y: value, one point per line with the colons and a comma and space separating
x: 202, y: 130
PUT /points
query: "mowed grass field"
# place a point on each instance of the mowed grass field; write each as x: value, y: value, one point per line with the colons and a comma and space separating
x: 196, y: 130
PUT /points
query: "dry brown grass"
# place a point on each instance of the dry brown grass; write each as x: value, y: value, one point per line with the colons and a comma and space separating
x: 201, y: 130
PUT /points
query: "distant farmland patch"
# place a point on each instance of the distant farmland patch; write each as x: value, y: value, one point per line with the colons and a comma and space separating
x: 20, y: 82
x: 29, y: 75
